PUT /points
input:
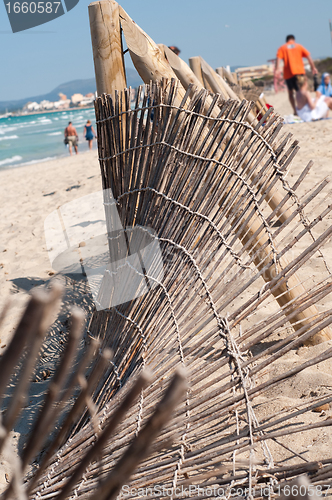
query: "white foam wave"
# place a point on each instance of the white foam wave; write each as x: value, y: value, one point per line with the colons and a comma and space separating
x: 32, y: 162
x: 55, y: 133
x: 13, y: 159
x: 5, y: 130
x: 44, y: 120
x: 6, y: 137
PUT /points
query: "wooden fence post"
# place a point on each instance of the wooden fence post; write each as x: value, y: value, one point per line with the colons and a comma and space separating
x: 216, y: 83
x: 148, y: 59
x: 225, y: 74
x: 289, y: 290
x: 181, y: 69
x: 195, y: 66
x: 107, y: 46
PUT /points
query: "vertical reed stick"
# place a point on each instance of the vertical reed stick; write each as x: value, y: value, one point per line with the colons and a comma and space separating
x: 49, y: 412
x: 141, y: 444
x: 115, y: 420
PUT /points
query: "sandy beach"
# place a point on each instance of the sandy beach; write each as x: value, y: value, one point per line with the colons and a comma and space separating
x: 28, y: 194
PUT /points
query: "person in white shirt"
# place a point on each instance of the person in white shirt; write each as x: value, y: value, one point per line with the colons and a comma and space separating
x: 308, y: 109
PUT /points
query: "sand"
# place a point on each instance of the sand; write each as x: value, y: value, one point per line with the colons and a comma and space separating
x: 28, y: 194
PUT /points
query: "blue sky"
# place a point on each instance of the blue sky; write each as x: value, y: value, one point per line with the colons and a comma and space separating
x: 234, y: 32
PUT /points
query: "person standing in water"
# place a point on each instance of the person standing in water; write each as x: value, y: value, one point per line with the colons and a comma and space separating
x: 89, y: 133
x: 71, y: 137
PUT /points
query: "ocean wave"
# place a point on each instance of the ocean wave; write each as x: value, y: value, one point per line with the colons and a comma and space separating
x: 27, y: 123
x: 44, y: 120
x: 5, y: 130
x: 32, y: 162
x: 55, y: 133
x: 13, y: 159
x: 21, y: 125
x: 6, y: 137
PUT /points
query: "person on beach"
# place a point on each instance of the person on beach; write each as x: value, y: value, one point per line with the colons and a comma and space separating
x: 292, y: 54
x: 175, y: 49
x: 307, y: 108
x: 89, y: 133
x: 325, y: 88
x: 71, y: 138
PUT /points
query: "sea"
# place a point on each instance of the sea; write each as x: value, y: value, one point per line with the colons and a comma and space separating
x: 28, y: 139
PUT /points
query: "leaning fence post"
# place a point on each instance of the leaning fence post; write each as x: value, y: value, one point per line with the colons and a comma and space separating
x: 181, y: 68
x: 256, y: 240
x: 225, y: 74
x: 147, y: 57
x: 218, y: 84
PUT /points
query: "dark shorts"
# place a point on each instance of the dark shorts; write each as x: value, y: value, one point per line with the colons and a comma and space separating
x: 292, y: 83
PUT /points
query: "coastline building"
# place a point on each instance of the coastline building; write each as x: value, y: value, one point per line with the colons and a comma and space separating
x: 76, y: 99
x: 62, y: 104
x: 31, y: 106
x: 80, y: 100
x: 46, y: 104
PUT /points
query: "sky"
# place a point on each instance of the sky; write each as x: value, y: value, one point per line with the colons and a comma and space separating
x: 223, y: 32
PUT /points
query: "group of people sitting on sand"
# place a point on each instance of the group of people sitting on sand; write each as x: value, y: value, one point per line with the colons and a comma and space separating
x: 309, y: 109
x: 304, y: 106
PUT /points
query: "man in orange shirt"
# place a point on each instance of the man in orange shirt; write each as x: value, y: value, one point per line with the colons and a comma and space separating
x: 292, y: 54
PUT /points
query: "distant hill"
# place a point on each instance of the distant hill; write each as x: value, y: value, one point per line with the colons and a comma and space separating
x: 69, y: 88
